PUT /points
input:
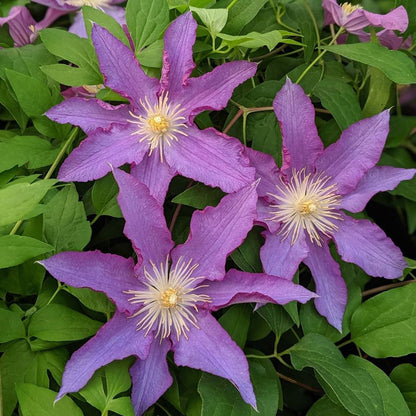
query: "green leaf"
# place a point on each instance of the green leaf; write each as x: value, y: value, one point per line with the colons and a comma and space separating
x: 65, y: 224
x: 380, y: 94
x: 242, y: 12
x: 326, y: 407
x: 33, y: 95
x: 77, y: 50
x: 56, y: 322
x: 104, y: 197
x: 69, y: 75
x: 146, y: 21
x: 97, y: 301
x: 404, y: 376
x: 276, y: 317
x: 38, y: 401
x: 247, y: 256
x: 253, y: 40
x: 152, y: 56
x: 221, y: 398
x: 213, y: 19
x: 8, y: 100
x: 393, y: 401
x: 236, y: 321
x: 199, y: 196
x: 24, y: 279
x: 16, y: 249
x: 23, y: 149
x: 385, y: 325
x: 353, y: 387
x: 19, y: 199
x: 396, y: 65
x: 400, y: 129
x: 340, y: 99
x: 11, y: 326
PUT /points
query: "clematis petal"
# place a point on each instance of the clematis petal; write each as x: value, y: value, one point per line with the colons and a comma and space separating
x: 211, y: 349
x: 296, y: 116
x: 358, y: 150
x: 217, y: 231
x: 20, y: 22
x: 333, y: 12
x: 150, y: 377
x: 264, y: 215
x: 243, y: 287
x: 101, y: 150
x: 145, y: 223
x: 330, y: 286
x: 117, y: 339
x: 211, y: 158
x: 213, y: 90
x: 377, y: 179
x: 56, y: 4
x: 280, y: 258
x: 396, y: 19
x: 155, y: 175
x: 121, y: 69
x: 266, y: 170
x: 365, y: 244
x: 387, y: 38
x: 177, y: 57
x: 89, y: 114
x: 102, y: 272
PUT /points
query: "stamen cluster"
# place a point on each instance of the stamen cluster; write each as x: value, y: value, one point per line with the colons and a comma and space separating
x: 160, y: 125
x: 169, y: 301
x: 96, y: 4
x: 348, y: 8
x: 306, y: 203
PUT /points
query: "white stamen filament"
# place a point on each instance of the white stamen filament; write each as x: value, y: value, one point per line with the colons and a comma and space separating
x: 306, y: 203
x: 161, y: 124
x: 96, y: 4
x: 169, y: 301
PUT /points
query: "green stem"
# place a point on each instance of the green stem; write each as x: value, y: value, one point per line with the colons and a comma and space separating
x: 318, y: 58
x: 315, y: 25
x: 261, y: 357
x: 348, y: 341
x: 232, y: 4
x: 58, y: 289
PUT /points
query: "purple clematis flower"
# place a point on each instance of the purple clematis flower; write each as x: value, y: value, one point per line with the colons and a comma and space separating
x: 156, y: 131
x: 354, y: 18
x: 22, y: 26
x: 302, y: 203
x: 78, y: 26
x: 164, y: 302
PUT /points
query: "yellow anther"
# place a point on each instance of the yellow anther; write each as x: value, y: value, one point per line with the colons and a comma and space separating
x: 348, y: 8
x: 169, y: 298
x: 158, y: 124
x: 308, y: 207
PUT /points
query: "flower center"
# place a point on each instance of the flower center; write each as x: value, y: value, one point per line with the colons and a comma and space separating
x: 96, y: 4
x: 348, y: 8
x: 169, y: 302
x: 307, y: 203
x: 160, y: 125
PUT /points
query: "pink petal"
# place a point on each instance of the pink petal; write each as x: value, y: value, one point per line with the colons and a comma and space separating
x: 243, y: 287
x: 177, y: 58
x: 116, y: 340
x: 102, y: 272
x: 20, y: 20
x: 280, y: 258
x: 56, y: 4
x: 89, y: 114
x: 377, y: 179
x: 121, y: 69
x: 396, y: 19
x: 145, y: 223
x: 211, y: 349
x: 155, y: 175
x: 365, y: 244
x: 296, y: 116
x: 150, y: 377
x: 211, y: 158
x: 100, y: 151
x: 264, y: 215
x: 330, y: 286
x: 358, y: 150
x: 213, y: 90
x: 216, y: 232
x: 333, y: 12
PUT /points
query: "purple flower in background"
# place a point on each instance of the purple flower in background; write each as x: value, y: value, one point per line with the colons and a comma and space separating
x: 78, y: 26
x: 156, y: 131
x: 22, y: 26
x: 164, y: 302
x: 302, y: 204
x: 354, y: 19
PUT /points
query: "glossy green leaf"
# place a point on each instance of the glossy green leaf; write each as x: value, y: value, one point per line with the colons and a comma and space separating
x: 326, y: 407
x: 385, y: 325
x: 396, y: 65
x: 253, y: 40
x: 213, y: 19
x: 97, y: 301
x: 65, y: 224
x: 38, y: 401
x: 16, y: 249
x: 380, y: 93
x: 11, y: 326
x: 277, y: 318
x: 56, y: 322
x: 247, y: 256
x: 353, y: 387
x: 146, y: 21
x: 236, y: 321
x: 199, y: 196
x: 69, y: 75
x: 404, y: 377
x: 104, y: 197
x: 242, y: 12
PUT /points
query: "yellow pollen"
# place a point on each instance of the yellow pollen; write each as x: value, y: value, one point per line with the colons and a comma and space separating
x: 169, y: 298
x: 307, y: 207
x: 96, y: 4
x: 348, y: 8
x: 158, y: 124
